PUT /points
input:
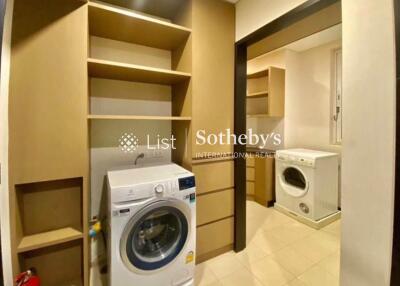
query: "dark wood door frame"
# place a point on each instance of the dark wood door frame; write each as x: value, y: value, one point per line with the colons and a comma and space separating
x: 308, y: 8
x: 395, y: 274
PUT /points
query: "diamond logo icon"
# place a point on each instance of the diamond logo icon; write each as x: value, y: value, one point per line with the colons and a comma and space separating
x: 128, y: 142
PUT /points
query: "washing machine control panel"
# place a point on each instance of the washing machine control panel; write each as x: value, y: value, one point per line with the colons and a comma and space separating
x: 159, y: 188
x: 297, y: 160
x: 186, y: 183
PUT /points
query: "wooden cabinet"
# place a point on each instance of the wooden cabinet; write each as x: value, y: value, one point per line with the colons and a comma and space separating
x: 213, y: 38
x: 266, y: 93
x: 213, y: 71
x: 48, y: 141
x: 261, y: 186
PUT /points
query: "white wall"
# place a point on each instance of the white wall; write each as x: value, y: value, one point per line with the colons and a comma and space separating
x: 253, y: 14
x: 369, y: 142
x: 4, y: 198
x: 308, y: 98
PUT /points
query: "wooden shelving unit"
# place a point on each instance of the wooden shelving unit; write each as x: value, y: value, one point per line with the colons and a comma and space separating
x: 266, y: 93
x: 127, y: 26
x: 138, y: 117
x: 258, y: 94
x: 259, y: 74
x: 147, y: 33
x: 49, y: 238
x: 129, y: 72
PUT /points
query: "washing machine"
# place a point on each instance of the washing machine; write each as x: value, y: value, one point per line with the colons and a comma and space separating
x: 151, y: 226
x: 307, y: 182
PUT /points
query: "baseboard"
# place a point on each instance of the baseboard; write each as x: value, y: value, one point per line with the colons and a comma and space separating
x: 213, y: 253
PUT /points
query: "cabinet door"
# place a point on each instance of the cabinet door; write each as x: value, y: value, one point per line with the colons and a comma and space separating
x: 264, y: 192
x: 213, y: 71
x: 48, y: 92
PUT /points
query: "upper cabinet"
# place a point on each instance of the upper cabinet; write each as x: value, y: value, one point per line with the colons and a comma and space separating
x: 213, y: 70
x: 266, y: 93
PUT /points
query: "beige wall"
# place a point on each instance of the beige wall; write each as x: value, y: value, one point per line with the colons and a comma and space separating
x: 253, y: 14
x: 369, y: 142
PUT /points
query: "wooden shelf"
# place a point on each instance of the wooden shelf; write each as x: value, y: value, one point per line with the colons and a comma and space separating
x: 138, y: 117
x: 258, y: 94
x: 258, y: 74
x: 124, y: 25
x: 128, y: 72
x: 49, y: 238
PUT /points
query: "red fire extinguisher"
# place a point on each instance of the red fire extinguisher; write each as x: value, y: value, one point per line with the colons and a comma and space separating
x: 27, y: 278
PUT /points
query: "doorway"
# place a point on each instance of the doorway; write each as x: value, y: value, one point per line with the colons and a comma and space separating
x: 304, y: 41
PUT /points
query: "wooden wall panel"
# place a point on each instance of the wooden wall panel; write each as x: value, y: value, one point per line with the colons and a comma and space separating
x: 215, y: 206
x: 250, y: 161
x: 211, y: 238
x: 213, y: 176
x: 56, y: 265
x: 250, y: 188
x: 213, y: 70
x: 48, y: 104
x: 48, y: 91
x: 276, y: 98
x: 250, y: 174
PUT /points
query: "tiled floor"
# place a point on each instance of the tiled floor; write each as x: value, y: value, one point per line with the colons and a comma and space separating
x: 280, y: 252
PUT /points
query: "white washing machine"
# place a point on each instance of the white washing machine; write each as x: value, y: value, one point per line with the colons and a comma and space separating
x: 307, y: 182
x: 152, y: 226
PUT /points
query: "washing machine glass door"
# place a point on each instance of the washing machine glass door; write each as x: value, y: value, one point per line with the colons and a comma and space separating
x: 155, y: 235
x: 293, y: 181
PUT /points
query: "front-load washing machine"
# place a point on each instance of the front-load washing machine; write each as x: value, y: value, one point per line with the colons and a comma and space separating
x: 152, y: 226
x: 306, y: 182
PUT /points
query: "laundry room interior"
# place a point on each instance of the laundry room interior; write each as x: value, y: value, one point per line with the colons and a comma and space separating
x: 125, y: 158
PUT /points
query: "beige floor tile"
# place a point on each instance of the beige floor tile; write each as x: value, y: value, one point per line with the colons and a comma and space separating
x: 204, y: 276
x: 224, y: 265
x: 333, y: 228
x: 297, y: 282
x: 250, y: 254
x: 267, y: 242
x: 254, y: 226
x: 292, y: 260
x: 317, y: 246
x: 242, y: 277
x: 216, y: 283
x: 291, y: 232
x: 317, y: 276
x: 255, y: 210
x: 332, y: 264
x: 274, y: 219
x: 270, y: 273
